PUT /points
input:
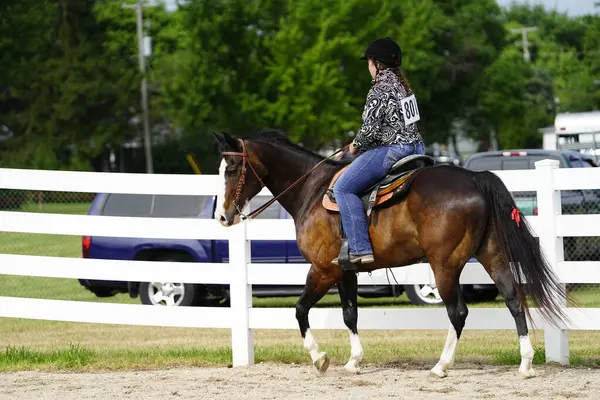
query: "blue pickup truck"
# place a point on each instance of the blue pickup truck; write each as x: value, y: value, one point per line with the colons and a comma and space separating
x: 208, y: 251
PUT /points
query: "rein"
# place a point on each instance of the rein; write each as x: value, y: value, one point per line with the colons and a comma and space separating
x: 242, y: 180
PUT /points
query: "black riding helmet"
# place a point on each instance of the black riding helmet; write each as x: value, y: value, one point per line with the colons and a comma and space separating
x: 384, y: 50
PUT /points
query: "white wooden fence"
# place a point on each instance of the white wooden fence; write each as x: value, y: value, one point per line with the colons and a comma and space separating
x: 547, y: 179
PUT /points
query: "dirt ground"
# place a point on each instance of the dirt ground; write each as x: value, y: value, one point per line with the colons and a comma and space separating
x: 272, y: 381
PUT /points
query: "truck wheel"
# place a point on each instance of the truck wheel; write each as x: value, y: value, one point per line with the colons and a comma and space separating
x: 423, y: 295
x: 177, y: 294
x: 167, y: 293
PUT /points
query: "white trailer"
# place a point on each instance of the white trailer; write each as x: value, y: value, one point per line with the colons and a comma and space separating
x: 575, y: 131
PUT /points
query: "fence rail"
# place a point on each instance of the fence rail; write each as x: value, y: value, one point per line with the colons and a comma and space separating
x: 547, y: 180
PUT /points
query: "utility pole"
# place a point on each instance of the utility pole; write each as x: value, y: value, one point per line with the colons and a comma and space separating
x: 144, y: 84
x: 525, y: 43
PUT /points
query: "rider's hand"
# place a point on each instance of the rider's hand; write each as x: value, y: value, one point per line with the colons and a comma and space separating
x: 352, y: 149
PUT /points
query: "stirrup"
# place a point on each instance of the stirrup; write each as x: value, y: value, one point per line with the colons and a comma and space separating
x: 343, y: 260
x: 351, y: 264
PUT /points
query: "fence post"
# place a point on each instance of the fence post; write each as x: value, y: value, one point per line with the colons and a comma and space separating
x: 242, y: 340
x: 556, y: 340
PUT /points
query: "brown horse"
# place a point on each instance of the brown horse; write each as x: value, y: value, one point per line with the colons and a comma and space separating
x: 447, y: 215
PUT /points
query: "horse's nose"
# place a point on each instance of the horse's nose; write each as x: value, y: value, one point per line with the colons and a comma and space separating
x: 223, y: 220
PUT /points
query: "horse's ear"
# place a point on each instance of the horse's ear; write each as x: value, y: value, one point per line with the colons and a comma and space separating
x: 232, y: 142
x: 219, y: 138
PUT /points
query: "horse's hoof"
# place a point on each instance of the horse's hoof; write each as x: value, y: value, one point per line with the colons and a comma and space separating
x: 526, y: 373
x: 438, y: 372
x: 322, y: 363
x: 352, y: 367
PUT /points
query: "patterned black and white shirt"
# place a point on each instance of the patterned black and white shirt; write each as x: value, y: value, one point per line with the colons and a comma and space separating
x: 383, y: 115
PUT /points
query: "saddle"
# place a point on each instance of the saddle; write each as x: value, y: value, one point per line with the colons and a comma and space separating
x: 392, y: 186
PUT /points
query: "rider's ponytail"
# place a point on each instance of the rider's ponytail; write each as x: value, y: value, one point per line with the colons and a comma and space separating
x: 399, y: 75
x: 402, y: 80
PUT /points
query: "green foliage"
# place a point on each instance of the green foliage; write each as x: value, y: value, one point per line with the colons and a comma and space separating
x: 73, y: 97
x: 518, y: 97
x: 304, y: 91
x: 469, y: 40
x: 72, y: 357
x: 205, y: 81
x: 69, y: 74
x: 514, y: 103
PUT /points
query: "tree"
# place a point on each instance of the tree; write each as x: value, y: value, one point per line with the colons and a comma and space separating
x: 469, y: 40
x: 26, y: 27
x: 219, y: 66
x: 310, y: 89
x: 566, y: 49
x: 277, y: 63
x: 519, y: 97
x: 69, y: 80
x: 591, y: 51
x: 74, y: 97
x: 505, y: 107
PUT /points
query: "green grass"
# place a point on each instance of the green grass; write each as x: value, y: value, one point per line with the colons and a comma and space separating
x: 77, y: 358
x: 42, y: 244
x: 333, y: 300
x: 56, y: 208
x: 86, y: 347
x: 49, y: 245
x: 72, y: 357
x: 55, y: 289
x: 586, y: 295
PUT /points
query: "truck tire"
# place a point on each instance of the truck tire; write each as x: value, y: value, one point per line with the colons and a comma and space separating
x: 167, y: 294
x: 423, y: 295
x: 100, y: 291
x: 174, y: 294
x: 212, y: 296
x: 487, y: 295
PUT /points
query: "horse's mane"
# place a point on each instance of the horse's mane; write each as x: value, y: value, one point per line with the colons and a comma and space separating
x: 279, y: 138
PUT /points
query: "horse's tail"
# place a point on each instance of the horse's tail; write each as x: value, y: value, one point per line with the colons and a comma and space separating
x: 521, y: 250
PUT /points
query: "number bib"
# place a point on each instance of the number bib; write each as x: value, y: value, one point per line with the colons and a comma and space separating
x: 411, y: 110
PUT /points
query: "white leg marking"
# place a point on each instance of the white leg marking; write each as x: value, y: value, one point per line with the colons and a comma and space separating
x: 219, y: 210
x: 447, y: 359
x: 311, y: 345
x: 356, y: 354
x: 525, y: 370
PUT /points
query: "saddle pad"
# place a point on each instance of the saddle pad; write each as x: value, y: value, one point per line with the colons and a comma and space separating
x: 383, y: 195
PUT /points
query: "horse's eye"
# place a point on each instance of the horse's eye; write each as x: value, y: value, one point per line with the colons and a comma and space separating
x: 230, y: 170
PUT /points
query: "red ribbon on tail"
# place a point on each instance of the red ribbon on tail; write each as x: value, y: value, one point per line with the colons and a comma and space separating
x: 516, y: 216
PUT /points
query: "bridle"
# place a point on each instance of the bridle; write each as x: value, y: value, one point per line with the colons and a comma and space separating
x: 242, y: 180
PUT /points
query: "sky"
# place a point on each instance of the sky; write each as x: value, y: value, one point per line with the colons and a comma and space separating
x: 571, y: 7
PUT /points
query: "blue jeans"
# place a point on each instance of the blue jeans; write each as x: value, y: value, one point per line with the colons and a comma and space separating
x: 366, y: 170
